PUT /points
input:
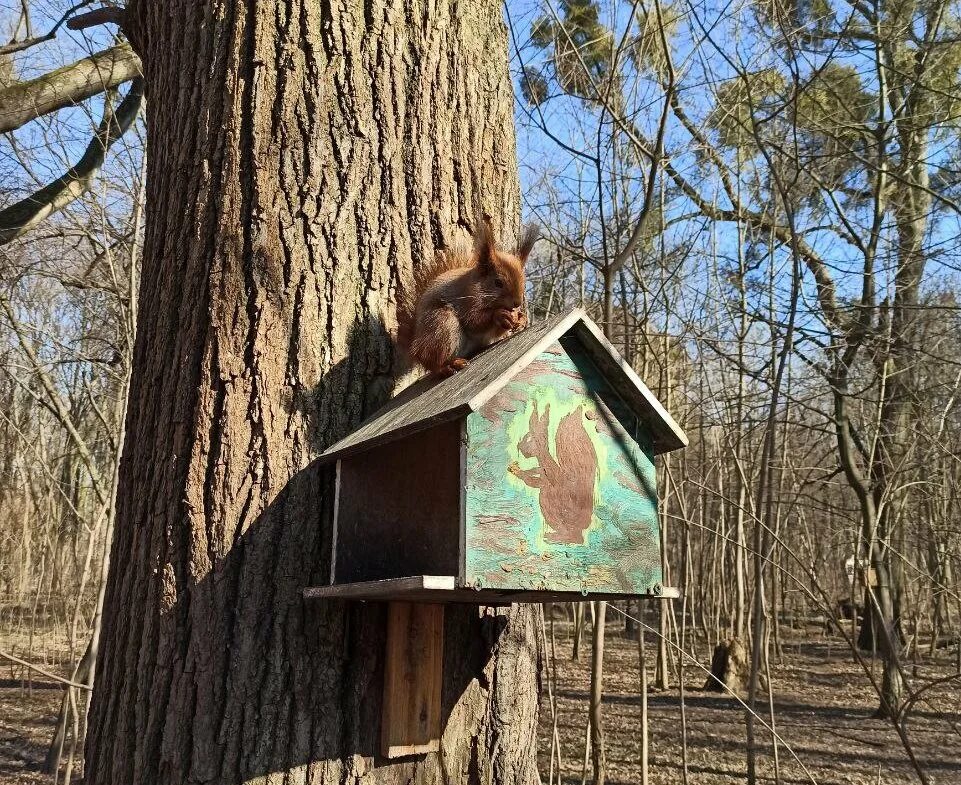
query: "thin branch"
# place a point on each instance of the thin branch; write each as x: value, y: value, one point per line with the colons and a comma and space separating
x: 48, y: 674
x: 27, y: 43
x: 657, y: 157
x: 56, y: 402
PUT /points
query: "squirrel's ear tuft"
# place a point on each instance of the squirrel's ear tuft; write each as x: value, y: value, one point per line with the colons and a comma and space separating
x: 484, y: 242
x: 525, y: 245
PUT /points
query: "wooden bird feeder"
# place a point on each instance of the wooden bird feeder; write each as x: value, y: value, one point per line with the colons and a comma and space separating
x: 526, y: 477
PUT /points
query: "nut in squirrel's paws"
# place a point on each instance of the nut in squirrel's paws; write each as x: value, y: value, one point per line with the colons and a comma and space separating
x: 513, y: 467
x: 506, y: 319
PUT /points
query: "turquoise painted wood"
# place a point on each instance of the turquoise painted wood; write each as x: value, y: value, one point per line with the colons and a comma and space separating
x: 560, y: 485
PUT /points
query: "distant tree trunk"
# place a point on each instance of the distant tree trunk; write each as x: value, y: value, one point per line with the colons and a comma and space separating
x: 630, y: 621
x: 302, y: 157
x: 880, y: 626
x: 740, y: 530
x: 939, y: 565
x: 895, y: 435
x: 598, y: 753
x: 578, y: 630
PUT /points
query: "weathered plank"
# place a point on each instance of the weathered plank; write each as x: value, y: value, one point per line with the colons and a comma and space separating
x: 399, y: 508
x: 431, y: 401
x: 445, y: 588
x: 666, y: 434
x: 413, y: 676
x: 560, y: 490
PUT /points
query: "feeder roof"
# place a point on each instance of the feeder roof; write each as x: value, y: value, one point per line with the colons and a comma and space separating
x: 431, y: 401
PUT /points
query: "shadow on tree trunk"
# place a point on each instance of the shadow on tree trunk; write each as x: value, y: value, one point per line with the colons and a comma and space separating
x: 302, y: 681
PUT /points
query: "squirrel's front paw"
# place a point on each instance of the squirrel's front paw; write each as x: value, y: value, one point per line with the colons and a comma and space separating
x: 505, y: 319
x: 520, y: 322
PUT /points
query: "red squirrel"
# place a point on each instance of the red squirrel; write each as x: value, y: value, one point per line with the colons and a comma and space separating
x: 462, y: 303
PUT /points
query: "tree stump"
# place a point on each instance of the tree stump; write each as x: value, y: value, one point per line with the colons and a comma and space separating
x: 729, y: 668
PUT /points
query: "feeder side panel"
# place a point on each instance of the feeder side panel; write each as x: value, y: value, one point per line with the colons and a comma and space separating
x: 561, y: 488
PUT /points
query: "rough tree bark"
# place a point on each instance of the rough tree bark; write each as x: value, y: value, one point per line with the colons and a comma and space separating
x: 302, y: 157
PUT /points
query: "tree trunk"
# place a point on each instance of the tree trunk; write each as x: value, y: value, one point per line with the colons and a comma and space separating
x: 302, y: 158
x: 578, y: 630
x: 895, y: 435
x: 598, y: 754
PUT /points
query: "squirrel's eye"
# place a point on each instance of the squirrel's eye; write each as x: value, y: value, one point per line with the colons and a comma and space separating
x: 498, y: 283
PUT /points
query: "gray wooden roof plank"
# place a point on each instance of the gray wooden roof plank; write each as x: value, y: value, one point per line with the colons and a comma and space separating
x: 431, y: 401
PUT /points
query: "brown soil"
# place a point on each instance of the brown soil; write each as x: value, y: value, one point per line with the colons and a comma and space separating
x: 823, y: 705
x: 27, y: 716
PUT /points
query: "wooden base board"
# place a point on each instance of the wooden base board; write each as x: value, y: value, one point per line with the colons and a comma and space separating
x: 444, y: 588
x: 413, y: 677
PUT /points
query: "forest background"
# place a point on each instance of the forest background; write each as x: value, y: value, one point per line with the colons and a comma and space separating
x: 758, y: 201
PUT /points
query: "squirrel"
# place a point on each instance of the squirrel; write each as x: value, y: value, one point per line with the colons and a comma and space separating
x: 463, y: 303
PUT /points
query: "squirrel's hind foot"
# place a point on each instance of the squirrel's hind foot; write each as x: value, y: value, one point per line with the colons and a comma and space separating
x: 453, y: 366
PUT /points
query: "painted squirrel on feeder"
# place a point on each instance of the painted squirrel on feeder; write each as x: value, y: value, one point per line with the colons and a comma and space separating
x: 463, y: 302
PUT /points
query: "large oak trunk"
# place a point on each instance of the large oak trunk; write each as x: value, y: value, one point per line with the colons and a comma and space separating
x: 302, y: 157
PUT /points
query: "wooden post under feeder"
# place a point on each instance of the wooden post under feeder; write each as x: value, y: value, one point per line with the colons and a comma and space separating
x: 413, y: 678
x: 526, y: 477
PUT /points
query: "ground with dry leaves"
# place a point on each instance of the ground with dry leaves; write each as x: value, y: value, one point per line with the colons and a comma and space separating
x: 823, y: 707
